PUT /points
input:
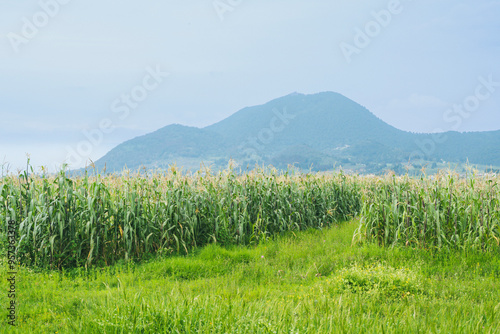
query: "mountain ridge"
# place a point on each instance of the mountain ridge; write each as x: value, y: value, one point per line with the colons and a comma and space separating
x: 323, y: 129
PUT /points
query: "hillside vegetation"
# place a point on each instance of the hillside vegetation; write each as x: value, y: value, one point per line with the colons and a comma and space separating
x: 319, y: 132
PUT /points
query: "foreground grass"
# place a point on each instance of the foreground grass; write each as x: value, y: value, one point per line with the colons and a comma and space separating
x: 307, y: 282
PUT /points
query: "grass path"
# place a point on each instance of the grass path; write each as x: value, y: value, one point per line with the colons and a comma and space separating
x: 311, y: 282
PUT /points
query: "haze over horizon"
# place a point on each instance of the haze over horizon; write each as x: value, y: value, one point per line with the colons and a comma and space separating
x: 67, y: 67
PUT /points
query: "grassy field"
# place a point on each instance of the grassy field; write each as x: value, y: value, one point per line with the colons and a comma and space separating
x: 256, y: 253
x: 308, y: 282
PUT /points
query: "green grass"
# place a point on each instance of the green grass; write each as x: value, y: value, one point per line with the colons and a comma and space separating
x: 315, y: 281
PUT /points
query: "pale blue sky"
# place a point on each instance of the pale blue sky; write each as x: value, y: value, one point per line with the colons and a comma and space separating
x: 65, y: 77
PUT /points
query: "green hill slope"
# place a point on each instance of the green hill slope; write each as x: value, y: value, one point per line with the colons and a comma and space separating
x: 319, y: 130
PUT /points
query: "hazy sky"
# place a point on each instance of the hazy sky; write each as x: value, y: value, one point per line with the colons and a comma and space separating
x: 70, y: 66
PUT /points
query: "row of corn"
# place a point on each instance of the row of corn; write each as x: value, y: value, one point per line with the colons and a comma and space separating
x: 432, y: 212
x: 64, y: 221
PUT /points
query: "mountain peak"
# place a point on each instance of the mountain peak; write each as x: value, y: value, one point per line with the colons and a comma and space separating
x: 306, y: 128
x: 295, y: 94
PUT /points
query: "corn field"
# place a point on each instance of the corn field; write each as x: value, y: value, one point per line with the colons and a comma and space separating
x: 64, y: 222
x: 443, y: 211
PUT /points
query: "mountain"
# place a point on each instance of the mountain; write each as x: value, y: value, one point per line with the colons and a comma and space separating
x: 319, y: 131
